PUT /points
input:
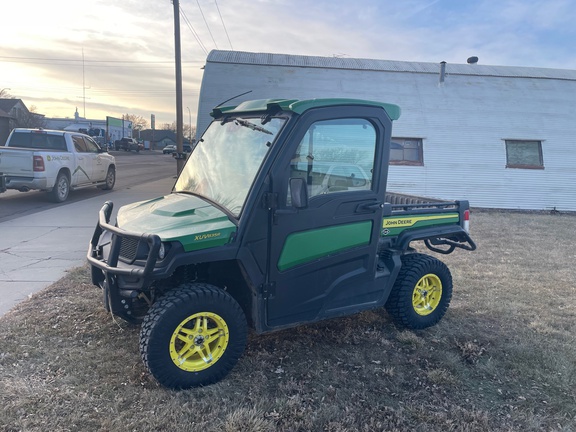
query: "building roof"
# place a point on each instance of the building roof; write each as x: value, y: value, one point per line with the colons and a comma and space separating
x: 7, y: 104
x: 266, y: 59
x: 159, y: 135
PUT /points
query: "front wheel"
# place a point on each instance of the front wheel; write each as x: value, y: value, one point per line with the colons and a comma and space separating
x: 110, y: 179
x: 422, y: 292
x: 193, y: 336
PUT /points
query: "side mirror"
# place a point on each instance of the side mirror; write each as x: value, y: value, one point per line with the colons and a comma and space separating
x: 298, y: 193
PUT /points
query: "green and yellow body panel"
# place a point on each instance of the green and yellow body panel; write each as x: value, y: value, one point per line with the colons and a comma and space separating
x: 394, y: 225
x: 307, y: 246
x: 188, y: 219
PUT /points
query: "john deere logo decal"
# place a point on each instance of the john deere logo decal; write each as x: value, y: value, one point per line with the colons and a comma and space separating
x: 395, y: 225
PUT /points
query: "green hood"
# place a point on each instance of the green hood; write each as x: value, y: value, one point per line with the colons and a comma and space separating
x: 178, y: 217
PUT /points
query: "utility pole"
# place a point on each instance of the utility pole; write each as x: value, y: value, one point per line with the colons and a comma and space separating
x: 190, y: 120
x: 179, y: 113
x: 83, y: 84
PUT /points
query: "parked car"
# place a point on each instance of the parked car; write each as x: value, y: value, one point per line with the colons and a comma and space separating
x: 128, y: 144
x: 54, y: 161
x: 169, y: 149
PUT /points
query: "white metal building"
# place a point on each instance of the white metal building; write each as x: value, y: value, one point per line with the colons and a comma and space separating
x: 501, y: 137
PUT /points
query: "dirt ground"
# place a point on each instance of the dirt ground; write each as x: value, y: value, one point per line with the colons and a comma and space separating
x: 502, y: 359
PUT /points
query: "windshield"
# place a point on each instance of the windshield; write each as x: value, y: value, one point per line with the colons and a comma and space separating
x: 225, y: 161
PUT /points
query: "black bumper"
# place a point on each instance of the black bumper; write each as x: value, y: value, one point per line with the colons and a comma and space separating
x: 110, y: 263
x: 122, y: 279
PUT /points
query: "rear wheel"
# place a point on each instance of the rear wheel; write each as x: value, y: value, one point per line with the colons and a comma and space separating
x: 422, y: 292
x: 193, y: 336
x: 61, y: 188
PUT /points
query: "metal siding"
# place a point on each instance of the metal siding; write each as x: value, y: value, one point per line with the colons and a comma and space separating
x: 463, y: 122
x: 241, y: 57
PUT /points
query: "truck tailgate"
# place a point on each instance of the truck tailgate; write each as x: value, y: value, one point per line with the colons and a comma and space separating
x: 16, y: 162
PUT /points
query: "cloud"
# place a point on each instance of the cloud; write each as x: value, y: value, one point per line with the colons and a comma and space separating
x: 129, y: 46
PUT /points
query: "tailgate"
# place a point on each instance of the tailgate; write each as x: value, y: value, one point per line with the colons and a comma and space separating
x: 16, y: 162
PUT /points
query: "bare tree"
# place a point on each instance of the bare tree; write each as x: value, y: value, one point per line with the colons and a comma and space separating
x: 189, y: 130
x: 31, y: 119
x: 169, y: 126
x: 4, y: 94
x: 139, y: 123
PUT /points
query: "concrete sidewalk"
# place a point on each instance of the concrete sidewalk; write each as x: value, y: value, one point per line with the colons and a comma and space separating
x: 36, y: 250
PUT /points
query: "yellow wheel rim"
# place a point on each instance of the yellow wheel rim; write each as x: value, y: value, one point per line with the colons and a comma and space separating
x: 427, y: 294
x: 199, y: 341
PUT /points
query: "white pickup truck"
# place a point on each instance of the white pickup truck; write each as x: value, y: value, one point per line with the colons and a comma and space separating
x: 55, y: 162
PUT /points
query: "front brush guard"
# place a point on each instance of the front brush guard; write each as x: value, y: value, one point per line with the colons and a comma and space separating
x: 105, y: 270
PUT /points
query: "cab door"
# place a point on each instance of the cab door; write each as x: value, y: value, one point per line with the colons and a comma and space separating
x: 323, y: 257
x: 99, y: 164
x: 84, y: 161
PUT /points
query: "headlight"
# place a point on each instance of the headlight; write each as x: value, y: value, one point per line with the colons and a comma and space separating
x: 162, y: 251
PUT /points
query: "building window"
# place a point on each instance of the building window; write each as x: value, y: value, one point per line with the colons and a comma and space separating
x: 524, y: 154
x: 406, y: 151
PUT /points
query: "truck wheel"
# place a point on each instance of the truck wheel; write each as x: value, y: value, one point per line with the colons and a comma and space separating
x: 110, y: 179
x: 422, y: 292
x: 61, y: 188
x: 193, y: 336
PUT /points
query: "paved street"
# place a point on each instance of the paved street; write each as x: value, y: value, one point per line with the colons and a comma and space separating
x: 132, y: 169
x: 40, y: 241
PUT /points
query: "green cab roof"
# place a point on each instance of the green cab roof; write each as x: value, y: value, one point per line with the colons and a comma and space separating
x: 299, y: 106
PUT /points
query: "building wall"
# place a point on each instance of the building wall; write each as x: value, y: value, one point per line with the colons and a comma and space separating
x: 4, y: 129
x: 463, y: 123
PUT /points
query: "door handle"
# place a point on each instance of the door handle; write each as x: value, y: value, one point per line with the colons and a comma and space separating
x: 370, y: 207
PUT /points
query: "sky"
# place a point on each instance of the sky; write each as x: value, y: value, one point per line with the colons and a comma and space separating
x: 109, y: 57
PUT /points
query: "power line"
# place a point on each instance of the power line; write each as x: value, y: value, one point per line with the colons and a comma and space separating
x: 196, y: 36
x: 87, y: 61
x: 206, y: 22
x: 224, y: 25
x: 109, y: 64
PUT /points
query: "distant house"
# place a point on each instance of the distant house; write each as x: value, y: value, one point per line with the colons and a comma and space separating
x: 14, y: 113
x: 15, y: 108
x: 4, y: 126
x: 499, y: 136
x: 107, y: 130
x: 159, y: 138
x: 76, y: 124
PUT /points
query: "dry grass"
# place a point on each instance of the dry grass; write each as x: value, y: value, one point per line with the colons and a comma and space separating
x: 503, y: 358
